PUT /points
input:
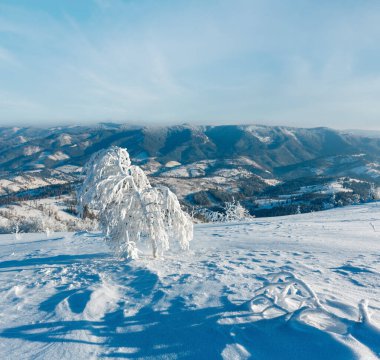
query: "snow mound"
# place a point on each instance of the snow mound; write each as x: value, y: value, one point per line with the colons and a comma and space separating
x: 284, y: 294
x: 291, y: 307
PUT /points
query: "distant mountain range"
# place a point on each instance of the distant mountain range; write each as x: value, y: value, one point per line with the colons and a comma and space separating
x: 205, y: 165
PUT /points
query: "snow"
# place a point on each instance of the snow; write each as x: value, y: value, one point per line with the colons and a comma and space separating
x: 59, y: 155
x: 359, y: 155
x: 258, y: 132
x: 243, y: 160
x: 171, y: 164
x: 186, y: 171
x: 227, y: 168
x: 131, y: 210
x: 290, y: 133
x: 333, y: 187
x: 42, y: 215
x: 21, y: 139
x: 371, y: 169
x: 230, y: 173
x: 30, y: 150
x: 27, y: 181
x: 264, y: 139
x: 274, y: 288
x: 69, y: 169
x: 177, y: 172
x: 200, y: 168
x: 65, y: 139
x: 271, y: 182
x: 269, y: 203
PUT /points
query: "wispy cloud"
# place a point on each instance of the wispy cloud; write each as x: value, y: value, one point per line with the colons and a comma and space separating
x: 291, y: 62
x: 6, y: 56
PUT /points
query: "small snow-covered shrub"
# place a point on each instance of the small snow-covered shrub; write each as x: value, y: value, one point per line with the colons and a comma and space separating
x: 232, y: 211
x: 209, y: 216
x: 130, y: 210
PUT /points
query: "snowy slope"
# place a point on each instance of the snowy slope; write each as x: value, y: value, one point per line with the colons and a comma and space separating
x: 66, y: 297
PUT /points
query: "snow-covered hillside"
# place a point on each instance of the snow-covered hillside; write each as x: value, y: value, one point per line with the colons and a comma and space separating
x: 278, y: 288
x: 205, y: 166
x: 43, y: 215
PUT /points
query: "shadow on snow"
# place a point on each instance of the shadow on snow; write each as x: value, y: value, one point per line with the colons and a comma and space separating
x: 179, y: 331
x: 53, y: 260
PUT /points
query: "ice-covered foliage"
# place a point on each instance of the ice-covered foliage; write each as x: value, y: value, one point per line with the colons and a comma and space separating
x: 232, y: 211
x: 210, y: 216
x: 130, y: 209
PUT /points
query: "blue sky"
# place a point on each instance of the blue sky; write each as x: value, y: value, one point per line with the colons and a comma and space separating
x: 277, y: 62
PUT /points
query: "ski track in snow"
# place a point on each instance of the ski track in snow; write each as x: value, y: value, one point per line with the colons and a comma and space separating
x: 278, y: 288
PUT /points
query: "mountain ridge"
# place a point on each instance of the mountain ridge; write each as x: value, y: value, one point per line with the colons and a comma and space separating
x: 206, y: 165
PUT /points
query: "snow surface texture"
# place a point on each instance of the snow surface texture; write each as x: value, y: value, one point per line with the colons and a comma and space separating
x: 278, y: 288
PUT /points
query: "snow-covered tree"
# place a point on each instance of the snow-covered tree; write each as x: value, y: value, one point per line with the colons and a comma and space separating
x: 374, y: 192
x: 16, y: 228
x: 130, y: 210
x: 46, y: 228
x: 234, y: 211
